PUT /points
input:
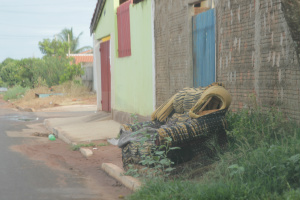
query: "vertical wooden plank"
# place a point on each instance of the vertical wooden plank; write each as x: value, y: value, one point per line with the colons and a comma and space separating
x: 204, y: 48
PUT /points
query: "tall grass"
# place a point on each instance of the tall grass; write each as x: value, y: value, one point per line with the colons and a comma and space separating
x: 69, y: 89
x: 262, y: 161
x: 72, y: 88
x: 16, y: 92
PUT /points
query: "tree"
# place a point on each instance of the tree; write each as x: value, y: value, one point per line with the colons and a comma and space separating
x: 5, y: 62
x: 10, y: 73
x: 1, y: 82
x: 51, y: 69
x: 28, y: 71
x: 67, y: 35
x: 70, y: 72
x: 53, y: 47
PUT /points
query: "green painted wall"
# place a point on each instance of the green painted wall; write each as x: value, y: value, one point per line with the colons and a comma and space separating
x: 133, y: 75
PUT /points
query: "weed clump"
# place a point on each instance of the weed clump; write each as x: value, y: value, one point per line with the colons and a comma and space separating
x: 15, y: 92
x: 153, y: 159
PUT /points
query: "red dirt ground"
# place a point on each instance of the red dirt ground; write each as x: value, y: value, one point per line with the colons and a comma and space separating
x: 59, y: 156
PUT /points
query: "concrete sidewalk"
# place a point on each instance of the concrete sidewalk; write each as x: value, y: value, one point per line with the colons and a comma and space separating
x: 84, y: 129
x: 70, y: 108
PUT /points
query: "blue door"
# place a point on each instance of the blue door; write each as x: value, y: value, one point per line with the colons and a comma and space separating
x: 204, y: 48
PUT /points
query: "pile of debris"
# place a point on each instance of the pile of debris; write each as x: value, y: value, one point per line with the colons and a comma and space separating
x: 191, y: 119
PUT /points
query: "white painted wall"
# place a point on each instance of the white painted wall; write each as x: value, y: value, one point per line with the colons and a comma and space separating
x: 97, y: 72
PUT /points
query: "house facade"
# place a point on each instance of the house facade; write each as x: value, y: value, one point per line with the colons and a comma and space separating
x: 252, y: 46
x: 124, y: 57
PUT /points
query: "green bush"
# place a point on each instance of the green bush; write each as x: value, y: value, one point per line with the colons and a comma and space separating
x: 1, y: 82
x: 70, y: 72
x: 16, y: 92
x: 10, y: 73
x: 262, y: 161
x: 50, y: 70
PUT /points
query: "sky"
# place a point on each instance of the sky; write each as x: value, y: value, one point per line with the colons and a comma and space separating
x: 23, y: 23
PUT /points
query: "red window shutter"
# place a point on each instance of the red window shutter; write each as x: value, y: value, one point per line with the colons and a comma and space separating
x: 123, y: 18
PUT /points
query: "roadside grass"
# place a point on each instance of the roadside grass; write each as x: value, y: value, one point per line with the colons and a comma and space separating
x: 14, y: 93
x: 78, y: 146
x: 30, y: 94
x: 262, y: 161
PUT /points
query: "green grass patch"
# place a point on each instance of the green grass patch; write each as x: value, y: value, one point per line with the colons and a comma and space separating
x: 159, y: 189
x: 78, y: 146
x: 102, y: 144
x: 262, y: 161
x: 16, y: 92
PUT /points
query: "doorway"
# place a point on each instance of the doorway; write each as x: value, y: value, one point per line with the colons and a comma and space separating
x: 105, y: 76
x: 204, y: 48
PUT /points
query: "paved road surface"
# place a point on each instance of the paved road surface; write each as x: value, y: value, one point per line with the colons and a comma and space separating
x: 24, y: 179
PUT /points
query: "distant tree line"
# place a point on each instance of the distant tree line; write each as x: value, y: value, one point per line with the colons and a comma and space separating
x: 54, y: 68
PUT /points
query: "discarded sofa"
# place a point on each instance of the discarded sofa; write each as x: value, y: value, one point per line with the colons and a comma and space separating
x: 193, y: 118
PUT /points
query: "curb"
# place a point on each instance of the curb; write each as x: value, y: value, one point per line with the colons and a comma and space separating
x: 57, y: 132
x: 22, y: 109
x: 47, y: 125
x: 117, y: 173
x: 25, y: 109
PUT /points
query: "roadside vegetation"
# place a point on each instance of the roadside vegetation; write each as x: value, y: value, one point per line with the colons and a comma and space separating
x: 53, y: 69
x: 261, y: 161
x: 78, y: 146
x: 16, y: 92
x: 54, y: 73
x: 155, y: 162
